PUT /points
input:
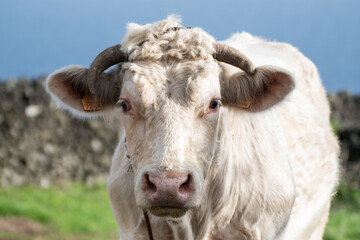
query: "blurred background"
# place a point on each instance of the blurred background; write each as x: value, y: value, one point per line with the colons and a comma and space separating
x: 53, y: 168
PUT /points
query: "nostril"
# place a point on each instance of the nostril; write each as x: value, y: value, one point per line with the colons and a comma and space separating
x: 187, y: 186
x: 148, y: 185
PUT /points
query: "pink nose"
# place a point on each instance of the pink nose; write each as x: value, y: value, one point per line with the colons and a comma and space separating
x: 168, y: 189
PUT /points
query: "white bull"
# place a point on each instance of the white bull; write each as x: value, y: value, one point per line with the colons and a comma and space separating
x: 210, y: 151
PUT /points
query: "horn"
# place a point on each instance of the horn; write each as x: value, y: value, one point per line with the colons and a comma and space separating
x: 232, y: 56
x: 103, y: 61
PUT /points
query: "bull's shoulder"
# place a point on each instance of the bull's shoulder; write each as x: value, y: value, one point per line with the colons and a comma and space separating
x: 269, y: 52
x: 284, y: 55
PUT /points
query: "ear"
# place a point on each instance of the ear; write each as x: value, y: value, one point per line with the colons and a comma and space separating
x: 257, y: 92
x: 69, y: 89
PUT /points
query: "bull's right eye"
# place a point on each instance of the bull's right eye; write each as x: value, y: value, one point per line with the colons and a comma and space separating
x: 125, y: 106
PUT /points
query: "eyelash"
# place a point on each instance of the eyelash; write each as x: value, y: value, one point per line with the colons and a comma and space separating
x: 213, y: 105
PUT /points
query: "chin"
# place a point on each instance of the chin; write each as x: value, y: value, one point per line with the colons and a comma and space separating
x: 173, y: 212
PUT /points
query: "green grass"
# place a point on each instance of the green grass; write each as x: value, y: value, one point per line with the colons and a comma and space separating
x: 79, y: 212
x: 71, y: 210
x: 344, y: 222
x: 336, y: 125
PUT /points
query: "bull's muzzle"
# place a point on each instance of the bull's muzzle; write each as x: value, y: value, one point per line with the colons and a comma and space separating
x: 168, y: 192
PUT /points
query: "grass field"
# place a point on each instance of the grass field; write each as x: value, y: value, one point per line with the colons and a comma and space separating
x: 79, y: 212
x: 344, y: 223
x: 73, y: 211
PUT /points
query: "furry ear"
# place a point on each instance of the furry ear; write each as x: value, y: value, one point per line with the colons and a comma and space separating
x: 257, y: 92
x: 69, y: 89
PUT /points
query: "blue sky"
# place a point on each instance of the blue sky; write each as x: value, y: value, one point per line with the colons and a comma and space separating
x: 40, y: 36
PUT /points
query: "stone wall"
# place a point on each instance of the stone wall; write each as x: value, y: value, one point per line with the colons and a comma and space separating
x: 345, y: 115
x: 42, y: 145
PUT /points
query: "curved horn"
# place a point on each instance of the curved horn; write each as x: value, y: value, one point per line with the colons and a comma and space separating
x: 103, y: 61
x: 232, y: 56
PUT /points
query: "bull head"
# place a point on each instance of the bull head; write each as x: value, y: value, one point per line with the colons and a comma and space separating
x: 253, y: 89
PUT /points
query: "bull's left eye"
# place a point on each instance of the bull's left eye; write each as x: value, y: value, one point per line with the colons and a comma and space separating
x: 214, y: 104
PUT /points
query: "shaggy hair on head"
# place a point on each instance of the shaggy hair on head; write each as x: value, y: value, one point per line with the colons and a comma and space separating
x: 166, y: 40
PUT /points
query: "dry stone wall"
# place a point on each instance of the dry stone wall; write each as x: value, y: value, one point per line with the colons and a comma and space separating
x: 42, y: 145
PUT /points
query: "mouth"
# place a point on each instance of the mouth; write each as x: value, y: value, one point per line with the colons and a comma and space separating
x: 174, y: 212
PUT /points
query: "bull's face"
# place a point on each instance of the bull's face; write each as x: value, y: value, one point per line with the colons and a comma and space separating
x: 170, y: 114
x: 170, y: 106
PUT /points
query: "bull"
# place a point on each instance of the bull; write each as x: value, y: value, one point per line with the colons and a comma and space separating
x: 215, y: 145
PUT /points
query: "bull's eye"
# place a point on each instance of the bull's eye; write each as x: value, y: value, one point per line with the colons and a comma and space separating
x: 214, y: 104
x: 125, y: 106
